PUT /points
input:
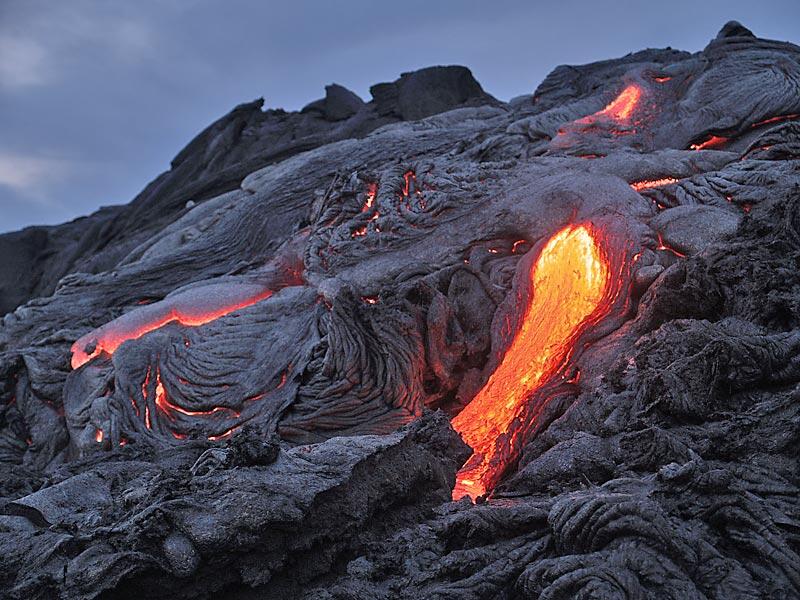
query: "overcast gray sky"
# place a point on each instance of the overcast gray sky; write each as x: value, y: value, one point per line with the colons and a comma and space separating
x: 96, y: 97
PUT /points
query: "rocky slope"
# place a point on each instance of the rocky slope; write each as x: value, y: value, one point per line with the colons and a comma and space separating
x: 251, y: 381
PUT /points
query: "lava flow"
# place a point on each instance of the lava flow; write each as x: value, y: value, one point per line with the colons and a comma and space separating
x: 621, y: 108
x: 712, y: 142
x: 652, y: 183
x: 192, y: 308
x: 570, y: 283
x: 618, y: 118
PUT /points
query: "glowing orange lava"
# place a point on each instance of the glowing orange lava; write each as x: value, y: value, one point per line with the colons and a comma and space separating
x: 515, y: 248
x: 777, y: 119
x: 198, y: 308
x: 712, y: 142
x: 224, y: 435
x: 168, y: 408
x: 652, y: 183
x: 408, y: 178
x: 372, y: 192
x: 663, y: 246
x: 621, y: 108
x: 570, y: 282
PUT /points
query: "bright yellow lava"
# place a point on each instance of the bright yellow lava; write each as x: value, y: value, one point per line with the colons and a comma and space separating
x: 570, y: 281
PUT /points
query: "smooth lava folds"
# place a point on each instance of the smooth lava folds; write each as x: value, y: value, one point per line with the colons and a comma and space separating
x: 196, y: 306
x: 570, y: 284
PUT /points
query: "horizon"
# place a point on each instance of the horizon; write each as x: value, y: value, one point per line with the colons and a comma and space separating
x: 97, y: 98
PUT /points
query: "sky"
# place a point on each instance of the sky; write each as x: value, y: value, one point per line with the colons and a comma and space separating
x: 97, y: 96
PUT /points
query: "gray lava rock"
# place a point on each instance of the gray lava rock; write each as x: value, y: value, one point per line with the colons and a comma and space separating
x: 429, y: 91
x: 181, y: 554
x: 338, y: 104
x: 691, y: 229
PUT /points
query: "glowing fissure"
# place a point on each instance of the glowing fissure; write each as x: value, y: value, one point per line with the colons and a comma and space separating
x: 194, y: 310
x: 652, y: 183
x: 712, y: 142
x: 369, y: 205
x: 411, y: 189
x: 224, y: 435
x: 408, y: 178
x: 664, y: 247
x: 570, y: 285
x: 773, y: 120
x: 369, y: 202
x: 168, y: 408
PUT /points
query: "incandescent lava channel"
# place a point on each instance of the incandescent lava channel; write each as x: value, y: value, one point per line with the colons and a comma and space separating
x: 570, y: 289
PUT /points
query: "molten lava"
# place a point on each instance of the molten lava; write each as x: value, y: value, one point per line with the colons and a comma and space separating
x: 773, y: 120
x: 712, y: 142
x: 570, y: 283
x: 191, y: 309
x: 664, y: 247
x: 652, y: 183
x: 369, y: 202
x: 168, y: 408
x: 620, y: 109
x: 409, y: 177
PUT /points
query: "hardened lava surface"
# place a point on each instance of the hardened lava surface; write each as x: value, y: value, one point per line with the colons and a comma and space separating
x: 433, y: 345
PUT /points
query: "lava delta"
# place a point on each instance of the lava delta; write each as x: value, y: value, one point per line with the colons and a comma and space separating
x: 432, y: 345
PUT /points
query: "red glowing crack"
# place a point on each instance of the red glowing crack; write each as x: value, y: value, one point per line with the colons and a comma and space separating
x: 369, y: 202
x: 773, y: 120
x: 369, y: 205
x: 715, y: 142
x: 652, y: 183
x: 665, y: 248
x: 712, y: 142
x: 168, y: 408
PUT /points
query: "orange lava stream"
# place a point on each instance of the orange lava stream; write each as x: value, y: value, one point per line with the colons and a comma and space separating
x: 713, y: 142
x: 652, y: 183
x: 194, y: 311
x: 570, y: 281
x: 777, y: 119
x: 621, y: 108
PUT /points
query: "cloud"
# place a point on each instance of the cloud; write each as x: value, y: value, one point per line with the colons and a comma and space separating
x: 23, y: 62
x: 57, y: 39
x: 34, y: 177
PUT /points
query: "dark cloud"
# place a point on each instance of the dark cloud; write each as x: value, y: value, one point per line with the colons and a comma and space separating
x: 96, y: 97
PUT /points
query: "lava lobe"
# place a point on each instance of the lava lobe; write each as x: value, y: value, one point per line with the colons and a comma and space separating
x: 570, y: 286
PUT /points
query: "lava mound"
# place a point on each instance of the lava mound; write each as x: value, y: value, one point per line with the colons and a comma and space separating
x: 433, y: 345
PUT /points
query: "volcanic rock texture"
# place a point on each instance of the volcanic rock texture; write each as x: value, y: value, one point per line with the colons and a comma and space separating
x: 254, y: 380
